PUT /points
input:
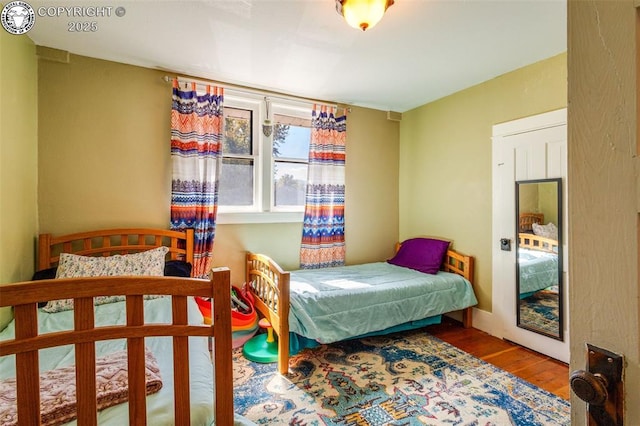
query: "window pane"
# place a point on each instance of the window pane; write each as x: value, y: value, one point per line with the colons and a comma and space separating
x: 291, y: 141
x: 236, y: 182
x: 237, y: 131
x: 290, y: 183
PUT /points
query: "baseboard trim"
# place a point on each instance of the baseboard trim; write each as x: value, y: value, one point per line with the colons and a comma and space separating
x: 483, y: 320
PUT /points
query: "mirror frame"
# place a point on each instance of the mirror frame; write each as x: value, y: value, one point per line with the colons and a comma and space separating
x: 519, y: 323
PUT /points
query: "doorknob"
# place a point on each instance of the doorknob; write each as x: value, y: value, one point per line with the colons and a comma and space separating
x: 589, y: 387
x: 601, y: 386
x: 505, y: 244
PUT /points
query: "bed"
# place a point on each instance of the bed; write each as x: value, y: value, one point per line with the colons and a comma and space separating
x: 39, y: 346
x: 316, y: 305
x: 537, y: 263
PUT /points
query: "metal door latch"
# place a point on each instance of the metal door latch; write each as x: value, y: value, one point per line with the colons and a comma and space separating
x: 601, y: 386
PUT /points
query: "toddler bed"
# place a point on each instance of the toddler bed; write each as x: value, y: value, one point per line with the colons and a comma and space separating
x: 170, y: 377
x: 424, y: 280
x: 537, y: 263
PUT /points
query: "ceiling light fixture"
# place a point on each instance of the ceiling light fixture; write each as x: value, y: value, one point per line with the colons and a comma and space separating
x: 362, y: 14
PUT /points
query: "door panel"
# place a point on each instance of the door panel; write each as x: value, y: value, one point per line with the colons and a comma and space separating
x: 557, y: 157
x: 536, y: 152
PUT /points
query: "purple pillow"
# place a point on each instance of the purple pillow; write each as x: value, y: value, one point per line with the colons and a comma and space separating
x: 422, y: 254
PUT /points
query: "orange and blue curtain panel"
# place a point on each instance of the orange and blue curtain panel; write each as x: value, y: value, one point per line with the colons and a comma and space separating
x: 196, y: 155
x: 323, y: 228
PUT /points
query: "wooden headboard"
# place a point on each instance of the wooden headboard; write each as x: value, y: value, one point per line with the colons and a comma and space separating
x: 108, y: 242
x: 527, y: 220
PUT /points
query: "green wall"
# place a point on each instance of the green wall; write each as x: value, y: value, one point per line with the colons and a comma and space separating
x: 104, y: 161
x: 18, y: 160
x: 541, y: 197
x: 445, y: 158
x: 548, y: 201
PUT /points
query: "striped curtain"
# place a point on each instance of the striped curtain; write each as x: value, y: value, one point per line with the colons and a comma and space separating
x: 196, y: 155
x: 323, y: 227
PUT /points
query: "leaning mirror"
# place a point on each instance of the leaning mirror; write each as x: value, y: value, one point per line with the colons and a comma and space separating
x: 539, y: 256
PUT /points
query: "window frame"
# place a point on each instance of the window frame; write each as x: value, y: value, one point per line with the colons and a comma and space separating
x: 263, y: 209
x: 292, y: 110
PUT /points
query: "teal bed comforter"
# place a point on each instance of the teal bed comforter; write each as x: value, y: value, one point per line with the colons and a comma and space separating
x: 333, y: 304
x: 538, y: 270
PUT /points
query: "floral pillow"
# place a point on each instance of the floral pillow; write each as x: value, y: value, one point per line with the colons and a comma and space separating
x: 148, y: 263
x: 548, y: 231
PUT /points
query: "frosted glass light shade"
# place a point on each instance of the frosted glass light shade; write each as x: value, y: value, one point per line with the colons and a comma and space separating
x: 362, y: 14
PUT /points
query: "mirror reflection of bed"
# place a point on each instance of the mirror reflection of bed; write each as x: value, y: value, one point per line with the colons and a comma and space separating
x: 538, y: 293
x: 539, y: 261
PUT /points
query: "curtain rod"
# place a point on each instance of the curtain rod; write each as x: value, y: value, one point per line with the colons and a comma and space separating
x: 250, y: 91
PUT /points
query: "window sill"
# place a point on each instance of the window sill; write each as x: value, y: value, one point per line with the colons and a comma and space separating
x: 259, y: 217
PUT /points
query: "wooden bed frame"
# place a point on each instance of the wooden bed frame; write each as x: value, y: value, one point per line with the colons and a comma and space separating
x: 271, y: 293
x: 526, y: 221
x: 24, y: 297
x: 536, y: 242
x: 108, y: 242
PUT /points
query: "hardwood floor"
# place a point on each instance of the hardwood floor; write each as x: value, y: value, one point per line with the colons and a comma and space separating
x: 541, y: 370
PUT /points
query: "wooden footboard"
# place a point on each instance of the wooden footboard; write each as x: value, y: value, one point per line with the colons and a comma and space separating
x: 536, y: 242
x: 269, y: 283
x: 25, y: 296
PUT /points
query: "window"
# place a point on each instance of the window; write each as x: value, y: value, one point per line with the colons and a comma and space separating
x: 236, y: 187
x: 263, y: 178
x: 291, y: 139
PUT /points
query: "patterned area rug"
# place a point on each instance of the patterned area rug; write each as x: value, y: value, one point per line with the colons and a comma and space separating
x: 540, y: 311
x: 409, y: 378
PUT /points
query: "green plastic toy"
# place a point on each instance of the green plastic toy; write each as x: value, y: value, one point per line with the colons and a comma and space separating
x: 263, y: 347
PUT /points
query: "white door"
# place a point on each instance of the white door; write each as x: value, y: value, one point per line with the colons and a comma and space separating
x: 525, y: 149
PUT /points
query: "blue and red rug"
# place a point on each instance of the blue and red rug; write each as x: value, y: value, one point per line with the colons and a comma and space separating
x: 409, y: 378
x: 540, y: 311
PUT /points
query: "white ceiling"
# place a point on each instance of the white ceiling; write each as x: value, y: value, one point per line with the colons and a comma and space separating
x: 422, y: 50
